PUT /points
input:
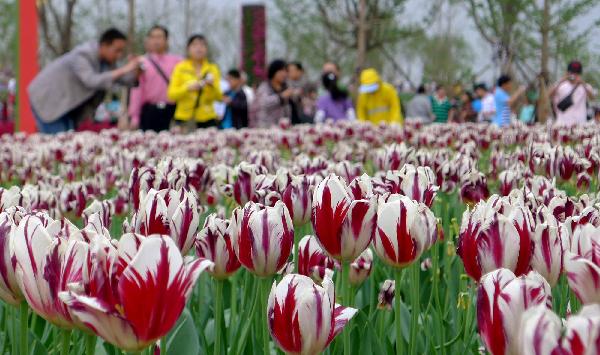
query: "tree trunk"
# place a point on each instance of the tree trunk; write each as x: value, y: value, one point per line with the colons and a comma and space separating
x: 361, y: 54
x: 543, y: 104
x: 131, y: 25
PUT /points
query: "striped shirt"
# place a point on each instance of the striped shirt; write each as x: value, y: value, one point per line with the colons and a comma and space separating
x: 501, y: 99
x: 440, y: 109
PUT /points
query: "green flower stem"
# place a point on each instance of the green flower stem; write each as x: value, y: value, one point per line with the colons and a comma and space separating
x: 234, y: 305
x: 218, y: 315
x: 297, y: 238
x: 266, y: 285
x: 90, y: 344
x: 163, y: 345
x: 436, y: 279
x: 416, y: 305
x: 13, y: 326
x: 24, y: 328
x: 397, y: 311
x: 65, y: 341
x: 346, y: 302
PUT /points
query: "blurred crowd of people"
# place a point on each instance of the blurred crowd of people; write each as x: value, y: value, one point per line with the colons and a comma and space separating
x: 182, y: 93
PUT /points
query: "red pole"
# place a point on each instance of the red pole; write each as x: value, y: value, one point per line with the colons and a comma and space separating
x: 27, y: 62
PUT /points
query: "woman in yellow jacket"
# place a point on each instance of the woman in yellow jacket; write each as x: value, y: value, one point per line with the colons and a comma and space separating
x: 195, y: 86
x: 377, y: 101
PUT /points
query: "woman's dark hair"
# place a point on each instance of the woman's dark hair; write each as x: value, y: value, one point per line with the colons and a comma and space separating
x: 196, y: 37
x: 111, y: 35
x: 421, y: 89
x: 330, y: 83
x: 161, y: 28
x: 275, y: 66
x: 469, y: 96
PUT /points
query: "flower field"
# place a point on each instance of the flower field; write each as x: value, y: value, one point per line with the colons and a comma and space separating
x: 336, y: 239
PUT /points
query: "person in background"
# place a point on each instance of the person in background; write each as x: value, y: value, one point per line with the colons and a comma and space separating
x: 527, y: 113
x: 272, y: 97
x: 488, y: 106
x: 572, y: 84
x: 504, y: 101
x: 466, y: 113
x: 377, y: 100
x: 296, y: 81
x: 236, y: 111
x: 195, y: 86
x: 441, y: 105
x: 309, y: 102
x: 419, y: 107
x: 331, y: 67
x: 71, y: 87
x: 149, y: 107
x: 335, y: 104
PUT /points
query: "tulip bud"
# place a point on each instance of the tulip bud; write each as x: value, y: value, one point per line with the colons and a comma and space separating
x: 214, y: 243
x: 386, y: 295
x: 501, y: 299
x: 547, y: 256
x: 405, y: 229
x: 360, y: 268
x: 343, y: 226
x: 262, y: 237
x: 297, y: 196
x: 303, y: 317
x: 474, y: 188
x: 313, y: 261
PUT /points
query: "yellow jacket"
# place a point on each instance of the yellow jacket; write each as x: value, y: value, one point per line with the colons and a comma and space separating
x: 189, y: 105
x: 381, y: 106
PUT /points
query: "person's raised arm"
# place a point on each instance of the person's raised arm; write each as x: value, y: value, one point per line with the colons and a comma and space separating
x: 520, y: 91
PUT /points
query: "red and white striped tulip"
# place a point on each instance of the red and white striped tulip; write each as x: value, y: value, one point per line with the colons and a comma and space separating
x: 214, y: 243
x: 502, y: 298
x: 262, y: 237
x: 418, y: 183
x: 169, y: 212
x: 132, y: 295
x: 473, y: 188
x: 313, y: 261
x: 360, y: 269
x: 582, y: 334
x: 105, y: 210
x: 344, y: 226
x: 542, y: 332
x: 547, y: 255
x: 489, y: 240
x: 9, y: 287
x: 297, y: 196
x: 46, y: 262
x: 508, y: 181
x: 405, y: 229
x: 582, y: 264
x: 303, y: 317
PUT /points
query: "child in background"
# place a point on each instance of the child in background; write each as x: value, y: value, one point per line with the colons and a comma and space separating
x: 527, y: 113
x: 236, y: 111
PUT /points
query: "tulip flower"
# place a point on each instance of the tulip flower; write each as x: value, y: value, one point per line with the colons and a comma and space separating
x: 418, y: 183
x: 582, y: 263
x: 542, y: 332
x: 313, y: 261
x: 502, y: 298
x: 344, y: 226
x: 46, y: 263
x: 214, y: 243
x: 243, y: 187
x: 508, y: 181
x: 131, y: 297
x: 105, y: 210
x: 473, y: 187
x: 169, y: 212
x: 405, y: 229
x: 547, y: 253
x: 262, y: 237
x: 297, y: 196
x: 582, y: 334
x: 9, y: 288
x: 361, y: 187
x: 303, y: 317
x: 489, y: 240
x: 386, y: 295
x: 360, y: 268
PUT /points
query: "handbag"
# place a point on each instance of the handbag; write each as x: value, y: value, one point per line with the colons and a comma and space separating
x: 567, y: 102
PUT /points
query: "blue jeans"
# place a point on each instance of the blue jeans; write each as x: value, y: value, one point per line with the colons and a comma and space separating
x: 62, y: 124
